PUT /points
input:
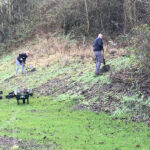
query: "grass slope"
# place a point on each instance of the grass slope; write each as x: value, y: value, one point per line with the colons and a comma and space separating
x: 54, y: 121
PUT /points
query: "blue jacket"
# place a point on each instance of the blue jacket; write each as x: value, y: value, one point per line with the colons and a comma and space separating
x: 98, y: 44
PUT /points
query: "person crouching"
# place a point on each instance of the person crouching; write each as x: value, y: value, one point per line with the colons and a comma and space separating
x: 21, y: 60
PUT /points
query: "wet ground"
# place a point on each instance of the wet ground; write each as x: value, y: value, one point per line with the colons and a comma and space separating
x: 8, y: 142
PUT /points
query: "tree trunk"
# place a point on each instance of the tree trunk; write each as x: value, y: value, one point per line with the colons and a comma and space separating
x: 87, y: 17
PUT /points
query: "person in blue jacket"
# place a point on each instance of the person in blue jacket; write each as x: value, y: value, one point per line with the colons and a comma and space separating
x: 99, y: 52
x: 21, y: 60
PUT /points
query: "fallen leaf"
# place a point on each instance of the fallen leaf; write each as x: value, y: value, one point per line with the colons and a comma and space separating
x: 138, y: 146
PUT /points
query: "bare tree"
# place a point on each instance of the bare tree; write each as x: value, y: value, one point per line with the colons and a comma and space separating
x: 87, y: 17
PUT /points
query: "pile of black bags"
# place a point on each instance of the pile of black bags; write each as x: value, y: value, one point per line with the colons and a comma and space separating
x: 10, y: 95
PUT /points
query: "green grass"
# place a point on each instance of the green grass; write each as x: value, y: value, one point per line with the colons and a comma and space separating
x: 78, y: 72
x: 121, y: 63
x: 70, y: 130
x: 53, y: 121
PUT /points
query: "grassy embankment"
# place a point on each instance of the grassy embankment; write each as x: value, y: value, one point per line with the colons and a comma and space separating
x: 55, y: 120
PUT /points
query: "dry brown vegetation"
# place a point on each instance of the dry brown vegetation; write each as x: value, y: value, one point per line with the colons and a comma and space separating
x: 46, y: 51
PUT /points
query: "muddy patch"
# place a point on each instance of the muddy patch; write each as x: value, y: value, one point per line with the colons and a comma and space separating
x: 59, y: 86
x: 12, y: 143
x: 54, y: 87
x: 104, y: 102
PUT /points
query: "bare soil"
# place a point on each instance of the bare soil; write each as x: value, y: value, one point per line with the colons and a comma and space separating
x: 59, y: 86
x: 8, y: 143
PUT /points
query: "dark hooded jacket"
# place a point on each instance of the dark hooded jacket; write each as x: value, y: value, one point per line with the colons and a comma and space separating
x: 98, y: 44
x: 22, y: 58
